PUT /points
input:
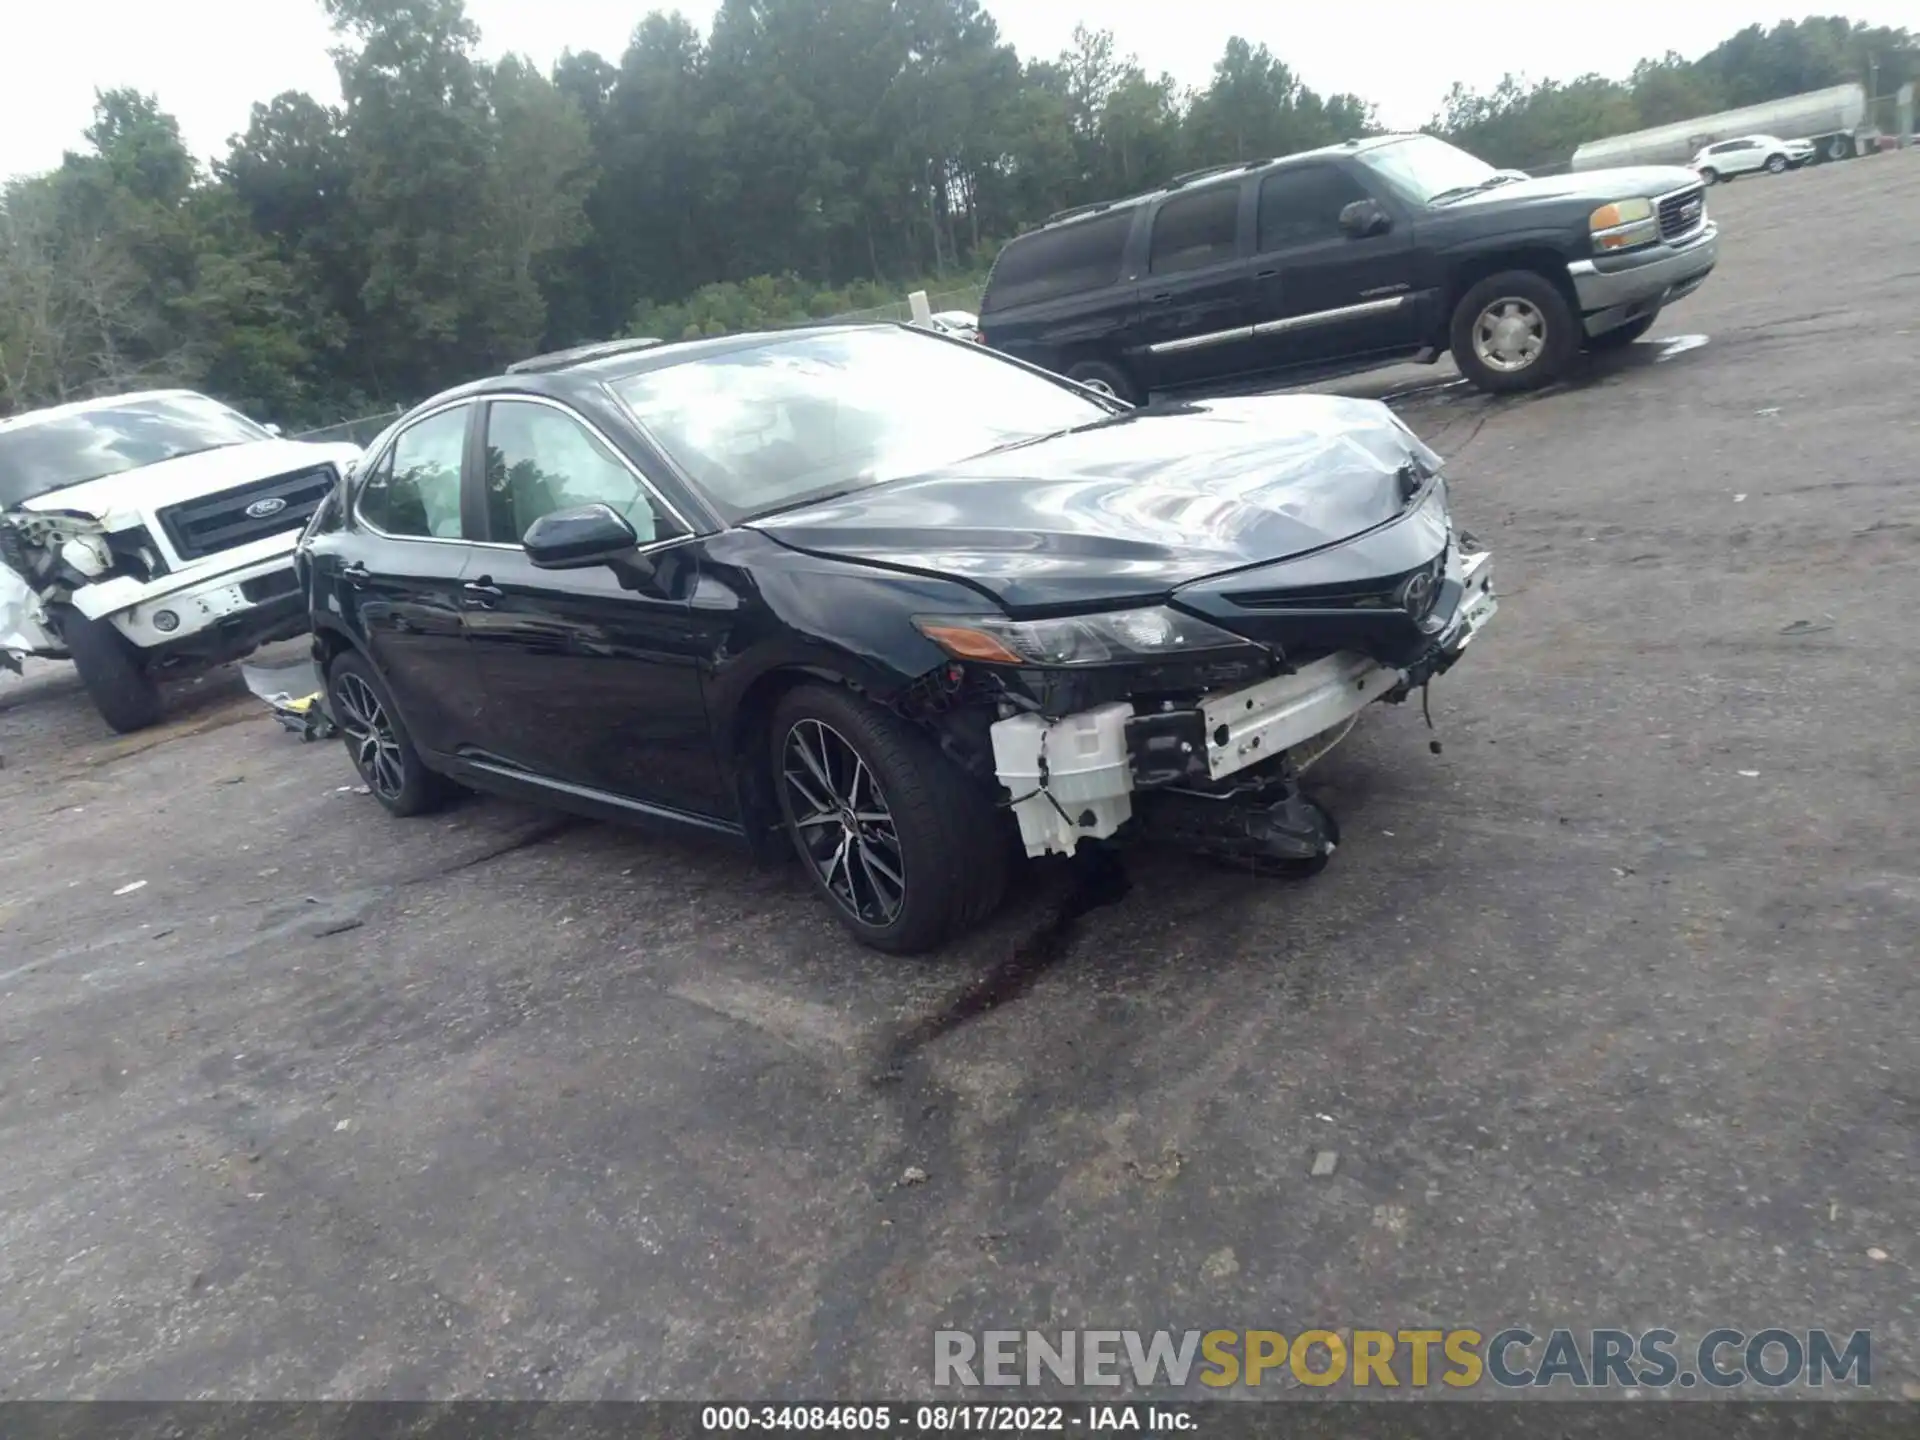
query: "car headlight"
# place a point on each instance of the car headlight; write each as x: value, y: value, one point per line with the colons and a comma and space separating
x: 1110, y: 637
x: 1623, y: 224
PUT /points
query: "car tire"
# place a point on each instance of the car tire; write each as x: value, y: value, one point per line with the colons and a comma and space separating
x: 1711, y: 176
x: 927, y: 858
x: 1107, y: 378
x: 1776, y: 164
x: 1513, y: 331
x: 377, y: 741
x: 113, y: 671
x: 1624, y: 335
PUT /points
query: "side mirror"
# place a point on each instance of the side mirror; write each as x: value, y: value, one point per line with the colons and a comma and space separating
x: 273, y: 430
x: 580, y: 538
x: 1364, y: 218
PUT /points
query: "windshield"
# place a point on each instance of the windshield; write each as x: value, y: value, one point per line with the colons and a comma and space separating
x: 799, y: 419
x: 40, y: 456
x: 1425, y: 168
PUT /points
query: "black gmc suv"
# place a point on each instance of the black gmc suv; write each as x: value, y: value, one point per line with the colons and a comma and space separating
x: 1359, y: 254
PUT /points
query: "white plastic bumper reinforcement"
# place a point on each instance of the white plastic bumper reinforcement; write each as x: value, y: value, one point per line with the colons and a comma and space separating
x: 1071, y: 779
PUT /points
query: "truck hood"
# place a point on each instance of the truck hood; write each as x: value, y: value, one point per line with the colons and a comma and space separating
x: 1130, y: 508
x: 1595, y: 186
x: 120, y: 500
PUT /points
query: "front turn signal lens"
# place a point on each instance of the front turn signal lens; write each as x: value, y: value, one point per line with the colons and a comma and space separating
x: 1620, y: 212
x: 967, y: 644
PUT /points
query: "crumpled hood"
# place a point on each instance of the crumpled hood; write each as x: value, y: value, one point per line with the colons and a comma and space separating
x: 1131, y: 507
x: 119, y: 500
x: 1598, y: 186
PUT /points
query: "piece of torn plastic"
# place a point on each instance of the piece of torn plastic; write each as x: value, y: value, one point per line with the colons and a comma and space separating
x: 21, y: 633
x: 294, y: 693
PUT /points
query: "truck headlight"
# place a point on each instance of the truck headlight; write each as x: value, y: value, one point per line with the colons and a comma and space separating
x: 1110, y: 637
x: 1623, y: 224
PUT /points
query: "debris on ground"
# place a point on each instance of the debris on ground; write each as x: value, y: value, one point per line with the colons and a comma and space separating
x: 295, y: 695
x: 130, y: 888
x: 1324, y: 1163
x: 913, y: 1175
x: 1806, y: 627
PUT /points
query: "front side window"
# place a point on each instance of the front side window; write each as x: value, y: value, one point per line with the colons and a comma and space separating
x: 777, y: 423
x: 1193, y: 231
x: 540, y: 460
x: 414, y: 490
x: 1302, y: 205
x: 39, y: 455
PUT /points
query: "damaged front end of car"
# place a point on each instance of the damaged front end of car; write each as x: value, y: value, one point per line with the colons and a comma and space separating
x: 1193, y: 721
x: 47, y: 557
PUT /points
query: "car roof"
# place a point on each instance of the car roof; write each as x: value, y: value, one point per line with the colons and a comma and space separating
x: 604, y: 368
x: 97, y: 402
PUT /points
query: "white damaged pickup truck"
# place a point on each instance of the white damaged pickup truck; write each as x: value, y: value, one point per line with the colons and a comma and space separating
x: 151, y: 534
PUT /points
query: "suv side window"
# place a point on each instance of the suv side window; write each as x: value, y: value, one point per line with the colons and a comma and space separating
x: 540, y: 459
x: 414, y: 490
x: 1192, y: 231
x: 1302, y: 205
x: 1065, y: 261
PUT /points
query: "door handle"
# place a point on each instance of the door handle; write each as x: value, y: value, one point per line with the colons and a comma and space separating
x: 355, y: 573
x: 481, y: 593
x: 1161, y: 298
x: 1265, y: 274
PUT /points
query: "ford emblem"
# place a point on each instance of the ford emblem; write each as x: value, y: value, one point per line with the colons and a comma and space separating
x: 261, y: 509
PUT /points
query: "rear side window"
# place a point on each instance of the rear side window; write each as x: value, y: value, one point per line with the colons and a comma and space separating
x: 1303, y: 205
x: 414, y: 490
x: 1068, y: 260
x: 1192, y: 231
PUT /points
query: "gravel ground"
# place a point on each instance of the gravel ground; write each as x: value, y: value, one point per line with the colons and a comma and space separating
x: 1606, y: 1011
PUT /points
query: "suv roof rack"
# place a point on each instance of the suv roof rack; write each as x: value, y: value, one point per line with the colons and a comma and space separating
x: 1075, y: 210
x: 1189, y: 176
x: 580, y: 354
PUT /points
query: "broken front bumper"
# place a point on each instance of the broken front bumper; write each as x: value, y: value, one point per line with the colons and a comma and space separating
x: 1073, y: 779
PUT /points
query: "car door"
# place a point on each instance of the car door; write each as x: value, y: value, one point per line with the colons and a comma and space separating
x: 583, y: 680
x: 1320, y: 294
x: 1193, y: 323
x: 398, y: 570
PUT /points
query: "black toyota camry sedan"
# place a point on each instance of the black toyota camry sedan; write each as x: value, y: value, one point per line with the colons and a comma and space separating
x: 899, y: 603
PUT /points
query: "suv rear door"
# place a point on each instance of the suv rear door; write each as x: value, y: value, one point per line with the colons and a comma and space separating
x: 1194, y: 322
x: 1062, y: 292
x: 1320, y: 295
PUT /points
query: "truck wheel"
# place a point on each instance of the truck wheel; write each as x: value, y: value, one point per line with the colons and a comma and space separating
x: 113, y: 670
x: 1624, y: 335
x: 1776, y: 164
x: 1513, y: 331
x: 1839, y: 148
x: 1107, y: 378
x: 907, y: 849
x: 1709, y: 175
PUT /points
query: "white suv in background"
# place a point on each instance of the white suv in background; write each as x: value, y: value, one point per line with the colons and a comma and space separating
x: 1749, y: 154
x: 151, y: 533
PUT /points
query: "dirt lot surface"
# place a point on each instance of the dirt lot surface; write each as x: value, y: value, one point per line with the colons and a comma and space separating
x: 1607, y: 1012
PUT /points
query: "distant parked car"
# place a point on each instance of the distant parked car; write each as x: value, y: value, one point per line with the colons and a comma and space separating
x: 1750, y: 154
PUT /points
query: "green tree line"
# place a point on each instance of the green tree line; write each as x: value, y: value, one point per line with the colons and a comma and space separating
x: 801, y: 159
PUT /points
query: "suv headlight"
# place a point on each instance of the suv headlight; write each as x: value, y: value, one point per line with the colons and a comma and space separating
x: 1110, y: 637
x: 1623, y: 224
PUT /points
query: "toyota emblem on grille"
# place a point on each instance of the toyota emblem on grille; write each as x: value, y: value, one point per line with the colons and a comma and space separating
x: 261, y: 509
x: 1416, y: 596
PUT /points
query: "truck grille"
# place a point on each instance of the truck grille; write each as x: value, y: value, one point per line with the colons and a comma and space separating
x: 214, y: 523
x: 1683, y: 213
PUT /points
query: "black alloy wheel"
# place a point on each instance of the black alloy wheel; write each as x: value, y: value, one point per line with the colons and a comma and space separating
x: 377, y: 741
x: 841, y: 819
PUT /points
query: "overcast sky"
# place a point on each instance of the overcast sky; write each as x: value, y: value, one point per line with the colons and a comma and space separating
x: 209, y: 60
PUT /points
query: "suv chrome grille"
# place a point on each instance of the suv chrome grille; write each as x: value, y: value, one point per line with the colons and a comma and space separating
x: 213, y: 523
x: 1683, y: 213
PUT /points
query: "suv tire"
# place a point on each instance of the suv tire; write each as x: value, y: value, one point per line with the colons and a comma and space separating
x: 1513, y: 331
x: 377, y: 741
x: 113, y: 670
x: 1709, y: 175
x: 926, y: 859
x: 1107, y: 378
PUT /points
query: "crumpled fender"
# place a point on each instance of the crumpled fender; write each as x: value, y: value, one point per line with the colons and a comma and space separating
x: 23, y: 630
